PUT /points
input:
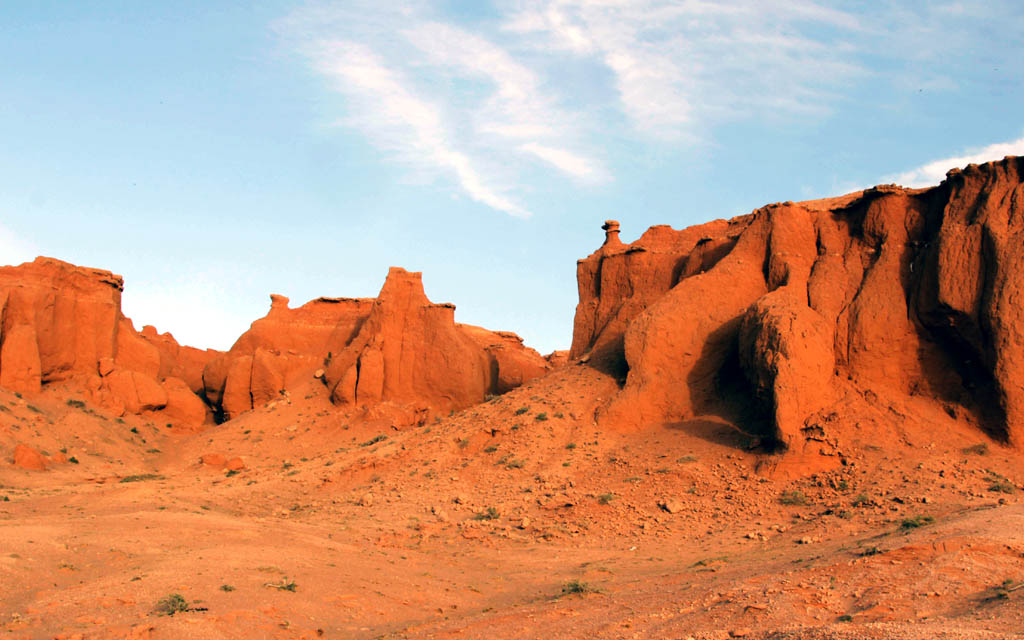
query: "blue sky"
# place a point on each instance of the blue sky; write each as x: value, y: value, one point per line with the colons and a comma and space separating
x: 213, y: 153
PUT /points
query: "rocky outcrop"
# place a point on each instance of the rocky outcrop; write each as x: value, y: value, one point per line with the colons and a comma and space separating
x: 178, y: 361
x: 619, y: 281
x: 557, y: 359
x: 66, y: 316
x: 409, y: 351
x: 887, y: 291
x: 280, y: 349
x: 410, y: 354
x: 509, y: 362
x: 59, y: 322
x: 398, y: 354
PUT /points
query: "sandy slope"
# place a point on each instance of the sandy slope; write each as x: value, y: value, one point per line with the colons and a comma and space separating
x: 473, y: 526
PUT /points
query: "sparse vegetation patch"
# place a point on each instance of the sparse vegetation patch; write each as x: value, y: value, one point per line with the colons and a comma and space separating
x: 142, y: 477
x: 488, y: 514
x: 916, y: 522
x: 578, y: 587
x: 793, y: 498
x: 171, y: 604
x: 1003, y: 590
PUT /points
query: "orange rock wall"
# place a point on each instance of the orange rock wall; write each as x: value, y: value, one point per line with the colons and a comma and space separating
x: 410, y: 352
x: 59, y: 322
x: 280, y: 348
x: 398, y: 350
x: 912, y: 292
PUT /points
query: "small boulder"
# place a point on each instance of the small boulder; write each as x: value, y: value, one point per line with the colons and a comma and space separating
x: 182, y: 404
x: 671, y: 505
x: 213, y: 459
x: 28, y: 458
x: 137, y: 391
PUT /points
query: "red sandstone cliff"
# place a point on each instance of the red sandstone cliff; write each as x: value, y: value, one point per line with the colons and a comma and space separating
x: 800, y: 306
x: 285, y: 346
x: 398, y: 351
x: 783, y: 321
x: 410, y: 353
x: 62, y: 323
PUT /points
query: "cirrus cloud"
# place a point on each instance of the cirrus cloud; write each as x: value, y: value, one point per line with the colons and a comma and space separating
x: 478, y: 97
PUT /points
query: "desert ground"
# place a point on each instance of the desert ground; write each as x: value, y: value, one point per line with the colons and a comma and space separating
x: 516, y: 518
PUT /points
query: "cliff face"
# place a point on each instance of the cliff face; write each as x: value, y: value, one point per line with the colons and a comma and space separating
x: 58, y: 321
x: 411, y: 354
x: 280, y: 349
x: 62, y: 323
x: 798, y: 306
x: 398, y: 350
x: 783, y: 322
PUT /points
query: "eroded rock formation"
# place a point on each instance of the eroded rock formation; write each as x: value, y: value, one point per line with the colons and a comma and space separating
x: 281, y: 348
x: 62, y: 323
x: 886, y: 291
x: 411, y: 353
x: 398, y: 350
x: 408, y: 351
x: 509, y: 362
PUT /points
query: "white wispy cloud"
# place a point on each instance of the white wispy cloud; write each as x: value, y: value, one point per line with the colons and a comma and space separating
x: 481, y: 99
x: 517, y: 104
x: 440, y: 98
x: 395, y: 118
x: 934, y: 172
x: 679, y: 67
x: 564, y: 160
